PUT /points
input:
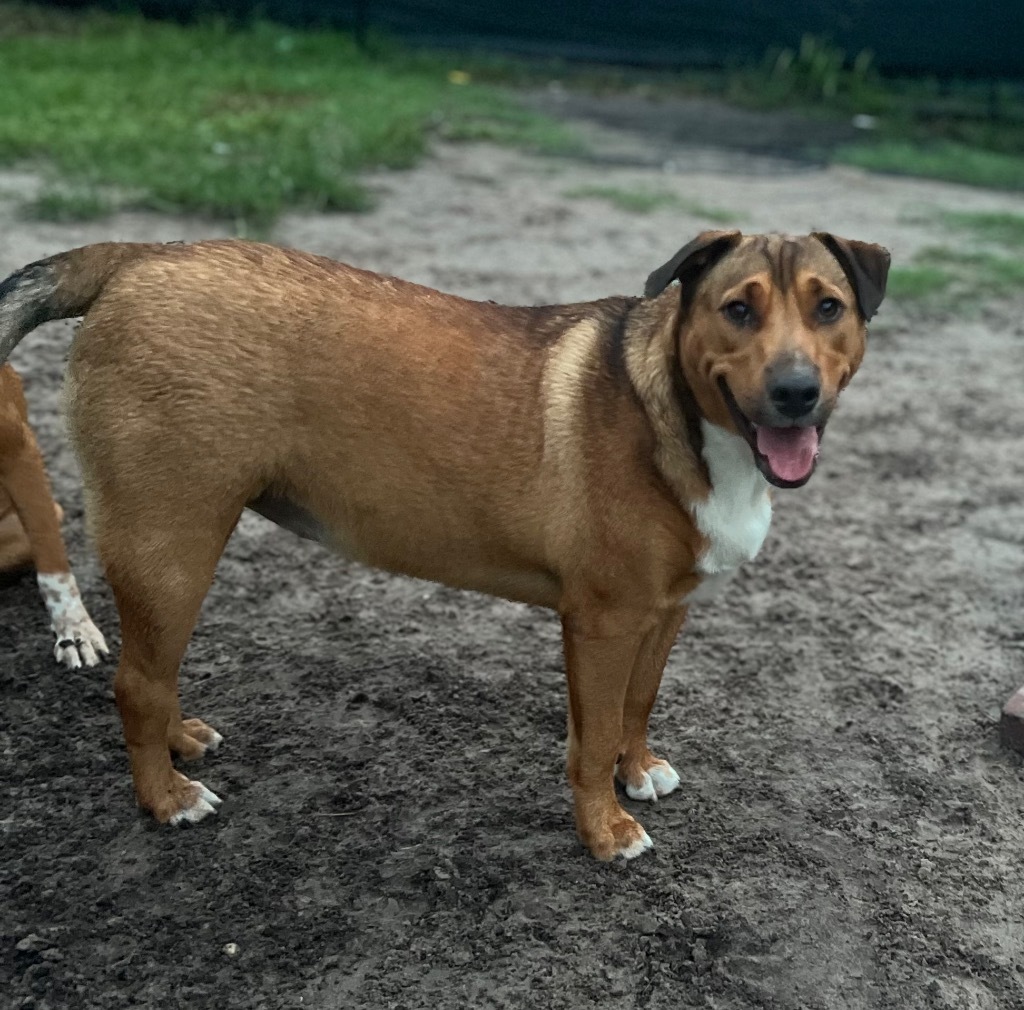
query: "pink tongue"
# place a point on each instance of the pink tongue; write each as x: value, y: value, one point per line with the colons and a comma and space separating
x: 790, y: 451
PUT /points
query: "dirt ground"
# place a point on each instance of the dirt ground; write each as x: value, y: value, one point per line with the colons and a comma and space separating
x: 397, y: 831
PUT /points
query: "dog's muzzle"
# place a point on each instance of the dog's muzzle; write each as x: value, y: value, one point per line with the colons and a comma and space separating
x: 785, y: 434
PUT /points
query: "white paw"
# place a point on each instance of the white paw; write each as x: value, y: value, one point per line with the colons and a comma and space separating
x: 659, y: 780
x: 205, y: 803
x: 79, y: 641
x: 664, y: 777
x: 640, y: 846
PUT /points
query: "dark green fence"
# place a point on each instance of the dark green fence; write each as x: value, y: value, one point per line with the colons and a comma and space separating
x: 950, y: 38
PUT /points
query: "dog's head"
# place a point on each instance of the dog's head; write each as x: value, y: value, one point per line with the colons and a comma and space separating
x: 770, y: 330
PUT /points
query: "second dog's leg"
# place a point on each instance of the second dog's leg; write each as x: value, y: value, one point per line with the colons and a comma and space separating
x: 645, y: 776
x: 15, y: 550
x: 78, y: 640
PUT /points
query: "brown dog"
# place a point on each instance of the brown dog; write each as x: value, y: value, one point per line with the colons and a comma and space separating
x: 30, y: 530
x: 610, y: 460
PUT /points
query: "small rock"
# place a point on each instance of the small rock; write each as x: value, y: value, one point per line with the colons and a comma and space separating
x: 231, y: 949
x: 646, y: 924
x: 32, y: 944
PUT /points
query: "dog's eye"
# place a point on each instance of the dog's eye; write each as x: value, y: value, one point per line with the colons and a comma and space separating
x: 737, y: 311
x: 829, y: 310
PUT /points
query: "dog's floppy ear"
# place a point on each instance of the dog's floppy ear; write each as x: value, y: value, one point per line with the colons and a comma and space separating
x: 866, y: 267
x: 692, y: 260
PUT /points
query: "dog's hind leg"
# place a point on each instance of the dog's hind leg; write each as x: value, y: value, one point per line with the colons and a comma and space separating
x: 645, y: 776
x: 160, y: 563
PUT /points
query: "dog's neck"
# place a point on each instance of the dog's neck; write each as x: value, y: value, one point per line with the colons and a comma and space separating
x: 693, y: 420
x: 654, y: 369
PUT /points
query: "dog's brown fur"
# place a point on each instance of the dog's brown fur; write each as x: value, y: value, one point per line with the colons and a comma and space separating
x: 550, y: 455
x: 22, y: 474
x: 30, y: 524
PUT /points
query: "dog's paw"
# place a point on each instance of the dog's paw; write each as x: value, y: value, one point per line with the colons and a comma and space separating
x: 606, y: 829
x: 78, y: 644
x: 637, y: 847
x: 194, y: 740
x: 659, y: 779
x: 79, y: 641
x: 623, y: 838
x: 200, y: 802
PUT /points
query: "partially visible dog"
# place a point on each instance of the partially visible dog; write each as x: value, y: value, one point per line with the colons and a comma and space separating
x: 610, y: 460
x: 30, y: 530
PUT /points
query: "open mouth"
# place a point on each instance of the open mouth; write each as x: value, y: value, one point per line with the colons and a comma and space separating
x: 786, y: 456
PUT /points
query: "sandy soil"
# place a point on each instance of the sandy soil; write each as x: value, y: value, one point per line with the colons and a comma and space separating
x: 397, y: 831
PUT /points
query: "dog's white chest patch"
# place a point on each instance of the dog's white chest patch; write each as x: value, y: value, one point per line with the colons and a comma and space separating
x: 736, y: 514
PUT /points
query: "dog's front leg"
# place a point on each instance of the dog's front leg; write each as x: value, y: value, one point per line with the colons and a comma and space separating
x: 601, y: 651
x: 645, y: 776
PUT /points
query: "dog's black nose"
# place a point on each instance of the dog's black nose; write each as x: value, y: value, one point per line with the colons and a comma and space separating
x: 794, y: 392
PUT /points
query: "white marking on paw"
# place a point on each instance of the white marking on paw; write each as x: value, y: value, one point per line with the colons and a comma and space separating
x: 644, y: 791
x: 659, y: 780
x: 206, y: 803
x: 215, y: 741
x: 79, y: 641
x: 640, y: 846
x: 664, y: 778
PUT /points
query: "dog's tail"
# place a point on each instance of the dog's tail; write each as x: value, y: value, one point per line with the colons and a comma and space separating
x: 59, y: 287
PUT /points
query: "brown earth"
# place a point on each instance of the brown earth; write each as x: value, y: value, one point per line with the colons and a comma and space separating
x: 397, y: 833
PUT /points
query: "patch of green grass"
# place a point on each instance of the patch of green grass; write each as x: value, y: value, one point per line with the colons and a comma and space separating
x: 989, y: 226
x: 716, y: 215
x: 915, y: 283
x: 947, y: 160
x: 63, y: 205
x: 964, y: 131
x: 956, y: 280
x: 634, y: 201
x: 643, y: 201
x: 815, y: 73
x: 240, y: 123
x: 493, y: 117
x: 984, y: 273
